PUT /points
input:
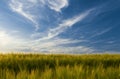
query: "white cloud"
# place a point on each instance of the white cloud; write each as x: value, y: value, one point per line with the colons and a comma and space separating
x: 57, y: 45
x: 37, y: 35
x: 47, y: 41
x: 28, y: 8
x: 65, y: 24
x: 58, y: 41
x: 12, y: 43
x: 33, y: 1
x: 74, y: 50
x: 98, y: 33
x: 52, y: 43
x: 111, y: 42
x: 57, y: 5
x: 25, y: 9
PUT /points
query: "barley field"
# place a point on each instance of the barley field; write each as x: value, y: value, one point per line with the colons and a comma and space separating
x: 38, y: 66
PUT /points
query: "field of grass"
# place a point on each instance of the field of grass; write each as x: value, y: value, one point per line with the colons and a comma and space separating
x: 20, y: 66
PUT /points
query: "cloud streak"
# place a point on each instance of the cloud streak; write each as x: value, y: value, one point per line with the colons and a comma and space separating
x: 27, y: 8
x: 24, y: 9
x: 49, y: 40
x: 57, y: 45
x: 57, y: 5
x: 73, y: 50
x: 101, y: 32
x: 66, y: 24
x: 12, y: 43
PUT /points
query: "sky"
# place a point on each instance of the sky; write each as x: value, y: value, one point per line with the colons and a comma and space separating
x: 60, y: 26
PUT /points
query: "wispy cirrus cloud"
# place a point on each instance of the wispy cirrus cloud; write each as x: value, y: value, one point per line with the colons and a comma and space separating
x: 24, y: 8
x: 52, y: 45
x: 13, y: 43
x: 57, y: 45
x: 65, y: 24
x: 51, y: 31
x: 49, y: 40
x: 28, y: 8
x: 57, y: 5
x: 73, y: 50
x: 98, y: 33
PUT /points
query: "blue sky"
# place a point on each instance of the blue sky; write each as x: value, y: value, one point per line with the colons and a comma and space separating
x: 60, y: 26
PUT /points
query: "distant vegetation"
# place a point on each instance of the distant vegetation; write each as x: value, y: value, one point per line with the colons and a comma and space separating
x: 18, y: 66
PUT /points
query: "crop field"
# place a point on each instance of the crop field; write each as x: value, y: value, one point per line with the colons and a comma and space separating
x: 36, y: 66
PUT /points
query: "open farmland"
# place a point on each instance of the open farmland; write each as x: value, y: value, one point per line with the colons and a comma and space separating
x: 19, y: 66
